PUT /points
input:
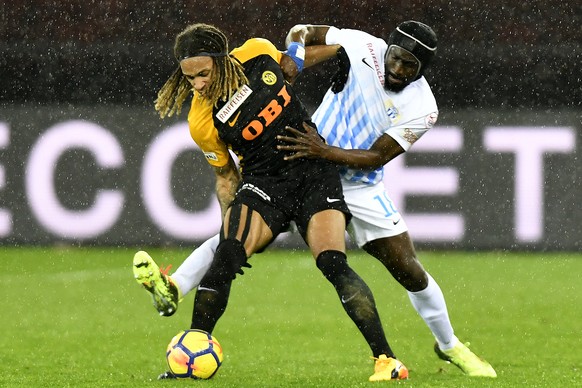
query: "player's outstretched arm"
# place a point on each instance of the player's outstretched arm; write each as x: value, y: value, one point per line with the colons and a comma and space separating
x: 309, y: 144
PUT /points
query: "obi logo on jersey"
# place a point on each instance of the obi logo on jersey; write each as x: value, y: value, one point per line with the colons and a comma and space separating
x: 267, y: 115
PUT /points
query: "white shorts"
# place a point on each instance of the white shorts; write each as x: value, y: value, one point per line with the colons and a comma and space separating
x: 374, y: 215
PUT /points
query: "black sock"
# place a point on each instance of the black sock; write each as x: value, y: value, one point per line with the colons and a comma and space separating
x: 214, y: 289
x: 357, y: 299
x: 209, y: 305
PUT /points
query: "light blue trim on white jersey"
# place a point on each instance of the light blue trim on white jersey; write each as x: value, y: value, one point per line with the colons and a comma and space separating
x: 364, y: 110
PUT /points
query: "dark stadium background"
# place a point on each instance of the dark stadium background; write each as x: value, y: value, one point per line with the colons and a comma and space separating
x: 491, y: 54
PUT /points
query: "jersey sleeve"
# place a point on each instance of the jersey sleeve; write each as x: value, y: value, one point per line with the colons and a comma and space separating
x: 406, y: 135
x: 347, y: 37
x: 254, y: 47
x: 332, y: 35
x: 205, y: 134
x: 417, y: 115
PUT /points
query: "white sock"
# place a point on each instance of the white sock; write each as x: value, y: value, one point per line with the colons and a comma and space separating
x: 192, y: 270
x: 430, y: 305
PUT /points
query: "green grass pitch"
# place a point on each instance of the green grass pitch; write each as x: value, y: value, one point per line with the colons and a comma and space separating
x: 75, y: 317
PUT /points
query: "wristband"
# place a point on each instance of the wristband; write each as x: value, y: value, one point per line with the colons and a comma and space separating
x: 296, y: 51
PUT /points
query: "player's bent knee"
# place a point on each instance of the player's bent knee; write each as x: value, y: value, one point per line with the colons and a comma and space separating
x: 230, y: 256
x: 332, y: 263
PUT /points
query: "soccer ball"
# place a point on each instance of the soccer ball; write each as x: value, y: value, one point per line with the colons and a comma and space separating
x: 194, y: 354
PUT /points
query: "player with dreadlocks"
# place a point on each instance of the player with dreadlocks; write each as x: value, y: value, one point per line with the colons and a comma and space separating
x: 242, y: 101
x: 229, y: 75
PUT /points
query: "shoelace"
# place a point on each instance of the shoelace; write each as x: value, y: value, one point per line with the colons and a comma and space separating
x: 166, y: 270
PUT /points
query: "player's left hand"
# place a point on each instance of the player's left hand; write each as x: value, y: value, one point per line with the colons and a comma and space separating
x: 306, y: 144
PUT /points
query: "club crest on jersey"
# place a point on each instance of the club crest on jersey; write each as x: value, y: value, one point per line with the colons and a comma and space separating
x: 269, y: 77
x: 391, y: 111
x: 234, y: 103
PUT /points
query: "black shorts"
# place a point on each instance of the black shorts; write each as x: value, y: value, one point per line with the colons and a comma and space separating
x: 296, y: 195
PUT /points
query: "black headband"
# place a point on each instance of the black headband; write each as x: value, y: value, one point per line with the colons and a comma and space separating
x: 202, y: 54
x: 200, y: 41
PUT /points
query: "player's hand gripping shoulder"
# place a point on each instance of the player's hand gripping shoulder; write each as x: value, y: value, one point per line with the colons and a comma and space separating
x: 306, y: 144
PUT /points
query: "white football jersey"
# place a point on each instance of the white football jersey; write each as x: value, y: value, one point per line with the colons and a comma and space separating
x: 357, y: 116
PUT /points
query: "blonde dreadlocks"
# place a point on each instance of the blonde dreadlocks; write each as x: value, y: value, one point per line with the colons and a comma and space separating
x: 228, y: 76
